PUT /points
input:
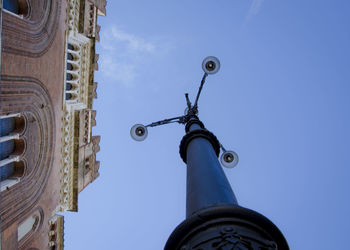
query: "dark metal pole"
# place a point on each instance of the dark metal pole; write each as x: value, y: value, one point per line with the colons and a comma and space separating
x: 214, y: 220
x: 206, y: 181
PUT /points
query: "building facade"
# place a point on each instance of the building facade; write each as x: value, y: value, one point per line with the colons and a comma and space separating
x: 47, y: 150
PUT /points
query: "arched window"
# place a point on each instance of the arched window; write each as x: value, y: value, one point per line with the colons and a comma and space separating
x: 18, y: 7
x: 70, y: 47
x: 27, y: 226
x: 11, y: 148
x: 68, y: 96
x: 69, y: 76
x: 72, y: 72
x: 69, y: 67
x: 11, y: 5
x: 11, y: 124
x: 68, y: 86
x: 6, y: 148
x: 6, y: 172
x: 11, y: 173
x: 7, y: 125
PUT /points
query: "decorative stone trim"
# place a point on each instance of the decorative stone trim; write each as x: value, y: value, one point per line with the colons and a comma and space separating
x: 56, y: 233
x: 9, y: 137
x: 78, y: 49
x: 73, y: 7
x: 90, y: 19
x: 67, y: 177
x: 100, y: 5
x: 10, y: 115
x: 97, y: 35
x: 8, y: 160
x: 79, y: 89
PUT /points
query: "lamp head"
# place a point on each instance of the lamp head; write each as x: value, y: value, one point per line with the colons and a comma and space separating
x: 138, y: 132
x: 211, y: 65
x: 229, y: 159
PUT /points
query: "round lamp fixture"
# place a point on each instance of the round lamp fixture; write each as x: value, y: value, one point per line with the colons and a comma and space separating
x: 211, y: 65
x: 139, y: 132
x: 229, y: 159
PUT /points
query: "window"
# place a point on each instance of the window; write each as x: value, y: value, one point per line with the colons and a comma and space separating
x: 7, y: 171
x: 11, y: 5
x: 72, y: 72
x: 12, y: 123
x: 69, y: 76
x: 27, y: 226
x: 18, y: 7
x: 11, y: 147
x: 11, y: 174
x: 7, y: 125
x: 6, y: 148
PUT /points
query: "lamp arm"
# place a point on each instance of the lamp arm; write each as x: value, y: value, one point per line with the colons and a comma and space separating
x: 179, y: 119
x: 200, y: 90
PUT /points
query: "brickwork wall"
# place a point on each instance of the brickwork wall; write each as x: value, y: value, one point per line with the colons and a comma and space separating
x: 33, y: 62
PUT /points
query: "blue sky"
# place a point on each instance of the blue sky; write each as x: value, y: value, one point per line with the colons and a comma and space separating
x: 280, y: 100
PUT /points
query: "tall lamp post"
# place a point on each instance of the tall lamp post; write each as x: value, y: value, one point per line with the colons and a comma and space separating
x: 214, y: 220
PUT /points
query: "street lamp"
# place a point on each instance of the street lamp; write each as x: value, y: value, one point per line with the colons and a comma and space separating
x: 214, y: 220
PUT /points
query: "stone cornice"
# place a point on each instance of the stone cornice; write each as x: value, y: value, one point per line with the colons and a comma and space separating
x: 78, y: 118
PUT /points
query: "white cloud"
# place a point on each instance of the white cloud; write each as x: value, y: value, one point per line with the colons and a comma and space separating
x: 113, y: 39
x: 123, y: 73
x: 254, y: 9
x: 123, y: 55
x: 133, y: 43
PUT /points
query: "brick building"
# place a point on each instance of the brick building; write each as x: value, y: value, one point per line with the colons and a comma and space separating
x: 47, y: 150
